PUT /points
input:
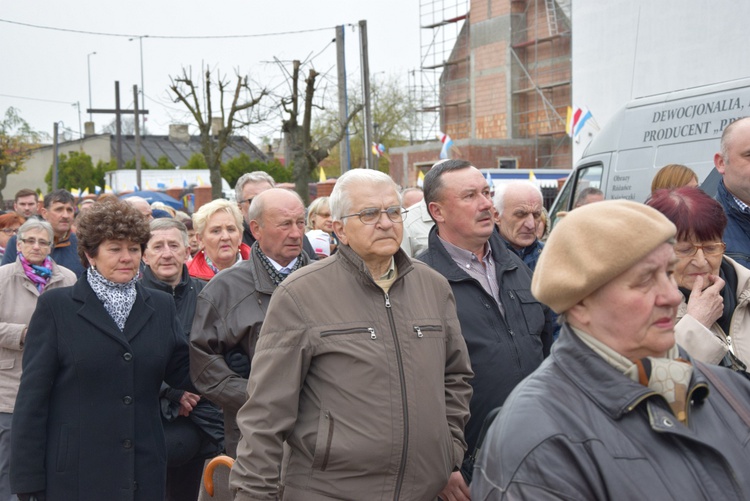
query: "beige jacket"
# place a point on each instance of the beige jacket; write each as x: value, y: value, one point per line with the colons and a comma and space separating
x: 369, y: 390
x: 18, y: 297
x: 710, y: 345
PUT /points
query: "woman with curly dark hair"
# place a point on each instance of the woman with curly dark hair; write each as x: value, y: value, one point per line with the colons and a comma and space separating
x: 87, y: 422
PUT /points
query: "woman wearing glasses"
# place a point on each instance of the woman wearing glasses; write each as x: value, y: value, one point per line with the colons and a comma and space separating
x: 23, y: 281
x: 714, y: 317
x: 9, y: 224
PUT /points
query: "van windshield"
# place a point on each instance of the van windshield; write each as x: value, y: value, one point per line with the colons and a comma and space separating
x: 588, y: 176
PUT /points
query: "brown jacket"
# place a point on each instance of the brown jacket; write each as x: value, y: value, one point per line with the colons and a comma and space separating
x: 18, y: 297
x: 369, y: 390
x: 229, y: 313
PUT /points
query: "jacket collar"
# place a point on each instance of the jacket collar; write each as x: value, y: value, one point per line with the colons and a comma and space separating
x: 357, y: 265
x: 596, y: 378
x: 93, y: 311
x: 150, y: 280
x: 449, y: 268
x: 262, y: 279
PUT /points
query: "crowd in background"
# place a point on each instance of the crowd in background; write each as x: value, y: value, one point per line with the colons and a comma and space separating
x: 361, y: 346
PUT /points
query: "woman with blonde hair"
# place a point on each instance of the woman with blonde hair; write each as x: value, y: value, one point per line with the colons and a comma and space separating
x: 218, y: 226
x: 674, y: 176
x: 319, y: 219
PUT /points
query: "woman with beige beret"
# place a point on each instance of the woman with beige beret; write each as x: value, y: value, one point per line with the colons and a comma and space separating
x: 618, y: 410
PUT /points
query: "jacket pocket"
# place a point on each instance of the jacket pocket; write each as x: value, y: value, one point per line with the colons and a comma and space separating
x: 532, y: 310
x: 353, y: 330
x: 323, y: 441
x: 7, y: 364
x: 428, y: 331
x: 62, y: 448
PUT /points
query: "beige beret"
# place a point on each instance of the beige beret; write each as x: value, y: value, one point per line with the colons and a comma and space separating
x: 592, y: 245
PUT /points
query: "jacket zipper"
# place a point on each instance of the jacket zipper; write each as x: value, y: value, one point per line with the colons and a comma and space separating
x: 404, y: 448
x: 419, y: 328
x: 350, y: 331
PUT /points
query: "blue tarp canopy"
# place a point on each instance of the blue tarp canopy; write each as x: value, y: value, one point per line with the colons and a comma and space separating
x: 157, y: 196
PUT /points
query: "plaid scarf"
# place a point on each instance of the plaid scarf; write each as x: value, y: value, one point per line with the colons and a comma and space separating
x: 276, y: 276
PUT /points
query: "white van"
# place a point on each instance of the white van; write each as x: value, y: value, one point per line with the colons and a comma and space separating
x: 681, y: 127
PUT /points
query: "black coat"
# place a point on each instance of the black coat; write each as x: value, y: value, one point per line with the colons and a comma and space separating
x: 503, y: 349
x: 86, y: 423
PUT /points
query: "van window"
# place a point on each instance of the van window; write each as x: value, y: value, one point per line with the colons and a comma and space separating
x: 588, y: 176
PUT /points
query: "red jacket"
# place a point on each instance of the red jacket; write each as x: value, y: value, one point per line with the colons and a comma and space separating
x: 198, y: 268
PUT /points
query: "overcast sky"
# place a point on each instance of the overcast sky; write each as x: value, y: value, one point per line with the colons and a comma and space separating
x: 45, y: 72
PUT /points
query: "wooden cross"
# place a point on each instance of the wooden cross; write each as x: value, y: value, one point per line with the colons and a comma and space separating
x: 118, y: 112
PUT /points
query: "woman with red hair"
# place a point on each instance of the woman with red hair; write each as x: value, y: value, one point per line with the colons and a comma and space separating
x: 714, y: 317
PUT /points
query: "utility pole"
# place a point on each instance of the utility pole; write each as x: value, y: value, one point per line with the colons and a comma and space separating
x: 345, y: 158
x: 365, y: 63
x: 118, y: 112
x: 55, y: 163
x: 137, y: 138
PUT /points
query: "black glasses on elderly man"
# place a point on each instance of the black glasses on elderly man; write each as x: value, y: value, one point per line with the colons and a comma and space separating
x: 372, y: 215
x: 248, y: 200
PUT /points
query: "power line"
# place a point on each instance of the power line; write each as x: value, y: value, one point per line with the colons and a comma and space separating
x: 166, y: 37
x: 38, y: 99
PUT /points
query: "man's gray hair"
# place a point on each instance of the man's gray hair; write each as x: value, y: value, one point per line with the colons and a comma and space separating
x: 258, y: 205
x: 257, y: 176
x: 502, y: 189
x: 340, y: 202
x: 166, y: 223
x: 32, y: 224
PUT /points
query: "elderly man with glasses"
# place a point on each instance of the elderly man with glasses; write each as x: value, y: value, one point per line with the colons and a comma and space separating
x: 366, y: 394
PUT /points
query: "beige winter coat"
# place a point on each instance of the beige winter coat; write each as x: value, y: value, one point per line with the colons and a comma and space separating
x: 710, y: 345
x: 18, y: 297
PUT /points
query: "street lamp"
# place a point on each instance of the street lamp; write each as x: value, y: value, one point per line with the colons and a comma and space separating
x: 143, y: 92
x: 88, y: 60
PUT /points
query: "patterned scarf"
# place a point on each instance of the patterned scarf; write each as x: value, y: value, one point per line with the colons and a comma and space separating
x: 276, y: 276
x: 118, y: 299
x: 668, y: 376
x: 38, y: 274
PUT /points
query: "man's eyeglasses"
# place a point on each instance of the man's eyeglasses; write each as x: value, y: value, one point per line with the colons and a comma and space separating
x: 248, y: 200
x: 372, y: 215
x: 10, y: 231
x: 31, y: 242
x: 690, y: 250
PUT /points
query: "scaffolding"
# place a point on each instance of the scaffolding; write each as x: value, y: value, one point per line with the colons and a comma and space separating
x: 444, y: 50
x: 541, y: 77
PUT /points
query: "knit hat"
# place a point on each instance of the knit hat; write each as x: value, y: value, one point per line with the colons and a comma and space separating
x: 594, y: 244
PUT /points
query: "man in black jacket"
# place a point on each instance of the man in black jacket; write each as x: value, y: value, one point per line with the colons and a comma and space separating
x: 193, y: 427
x: 507, y: 331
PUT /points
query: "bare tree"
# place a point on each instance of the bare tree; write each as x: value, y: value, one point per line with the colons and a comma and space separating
x: 306, y: 152
x: 212, y: 147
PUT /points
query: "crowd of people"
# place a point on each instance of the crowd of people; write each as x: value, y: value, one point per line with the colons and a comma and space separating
x: 446, y: 342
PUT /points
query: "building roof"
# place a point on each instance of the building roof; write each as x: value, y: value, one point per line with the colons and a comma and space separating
x: 178, y: 152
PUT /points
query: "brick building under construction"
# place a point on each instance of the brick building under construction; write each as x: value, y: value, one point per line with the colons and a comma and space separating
x: 495, y: 76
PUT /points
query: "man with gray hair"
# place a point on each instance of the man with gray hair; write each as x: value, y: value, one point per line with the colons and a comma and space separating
x: 519, y: 207
x: 360, y: 381
x: 193, y: 427
x: 232, y: 307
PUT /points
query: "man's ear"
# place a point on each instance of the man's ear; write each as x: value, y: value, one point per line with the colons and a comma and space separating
x: 436, y: 211
x: 340, y: 230
x: 255, y: 229
x: 719, y: 163
x: 578, y: 315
